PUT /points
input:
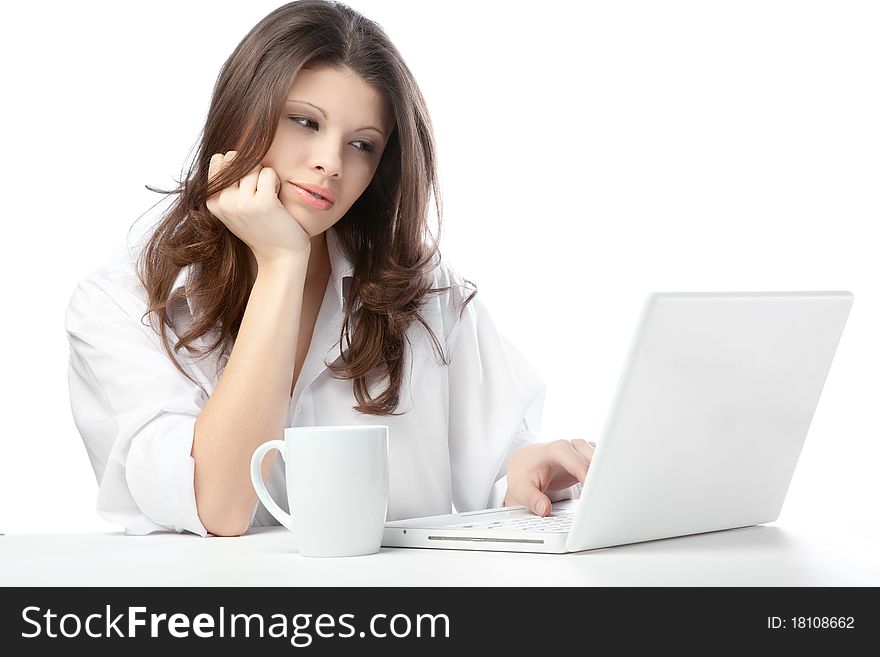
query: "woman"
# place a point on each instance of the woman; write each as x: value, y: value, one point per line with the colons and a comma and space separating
x: 292, y: 284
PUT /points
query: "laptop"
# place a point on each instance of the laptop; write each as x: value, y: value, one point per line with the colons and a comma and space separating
x: 710, y: 415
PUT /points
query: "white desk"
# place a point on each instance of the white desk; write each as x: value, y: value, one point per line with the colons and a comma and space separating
x: 767, y: 555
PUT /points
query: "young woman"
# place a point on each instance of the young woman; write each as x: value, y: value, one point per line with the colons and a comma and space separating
x: 292, y: 283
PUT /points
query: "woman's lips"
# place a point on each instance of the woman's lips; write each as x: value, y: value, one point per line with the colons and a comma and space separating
x: 307, y: 198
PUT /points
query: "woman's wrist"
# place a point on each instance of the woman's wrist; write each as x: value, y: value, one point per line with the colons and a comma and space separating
x: 507, y: 501
x: 284, y: 265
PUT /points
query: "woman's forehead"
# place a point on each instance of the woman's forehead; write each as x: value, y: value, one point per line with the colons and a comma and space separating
x: 340, y: 94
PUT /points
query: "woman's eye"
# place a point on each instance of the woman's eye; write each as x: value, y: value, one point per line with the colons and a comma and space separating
x: 296, y: 120
x: 366, y: 147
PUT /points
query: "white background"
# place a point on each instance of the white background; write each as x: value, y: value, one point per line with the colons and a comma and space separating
x: 590, y: 153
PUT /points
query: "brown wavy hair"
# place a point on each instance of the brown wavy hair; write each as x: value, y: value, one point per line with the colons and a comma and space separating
x: 385, y: 233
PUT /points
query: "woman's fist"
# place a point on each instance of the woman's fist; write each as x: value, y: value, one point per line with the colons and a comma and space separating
x: 251, y: 209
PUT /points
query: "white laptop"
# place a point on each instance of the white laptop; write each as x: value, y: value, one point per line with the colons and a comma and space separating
x: 709, y: 418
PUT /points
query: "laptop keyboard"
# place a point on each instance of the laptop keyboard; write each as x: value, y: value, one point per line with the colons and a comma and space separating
x: 556, y: 522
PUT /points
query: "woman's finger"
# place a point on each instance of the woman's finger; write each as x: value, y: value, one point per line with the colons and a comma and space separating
x: 213, y: 170
x: 585, y: 448
x: 248, y: 185
x: 218, y: 166
x: 538, y: 503
x: 212, y: 165
x: 564, y: 454
x: 269, y: 184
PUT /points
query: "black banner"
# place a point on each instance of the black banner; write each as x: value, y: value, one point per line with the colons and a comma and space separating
x: 330, y: 620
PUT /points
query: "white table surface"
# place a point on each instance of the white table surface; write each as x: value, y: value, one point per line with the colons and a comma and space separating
x: 765, y: 555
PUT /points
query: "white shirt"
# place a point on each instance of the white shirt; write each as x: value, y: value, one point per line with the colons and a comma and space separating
x: 136, y: 413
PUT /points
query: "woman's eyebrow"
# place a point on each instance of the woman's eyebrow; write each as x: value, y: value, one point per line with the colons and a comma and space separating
x: 305, y: 102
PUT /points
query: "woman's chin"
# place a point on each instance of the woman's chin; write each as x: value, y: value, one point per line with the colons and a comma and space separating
x: 314, y: 226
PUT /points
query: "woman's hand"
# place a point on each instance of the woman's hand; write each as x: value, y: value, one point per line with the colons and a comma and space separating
x: 252, y: 210
x: 539, y: 468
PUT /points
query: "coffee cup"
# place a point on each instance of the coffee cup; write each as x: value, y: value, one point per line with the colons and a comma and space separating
x: 337, y: 487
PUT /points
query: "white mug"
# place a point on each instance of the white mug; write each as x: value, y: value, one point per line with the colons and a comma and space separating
x: 337, y: 487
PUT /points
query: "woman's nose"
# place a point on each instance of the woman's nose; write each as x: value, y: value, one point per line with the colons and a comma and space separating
x: 326, y: 157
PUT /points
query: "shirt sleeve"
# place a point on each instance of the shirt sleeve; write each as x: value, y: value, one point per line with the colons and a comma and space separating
x: 134, y: 410
x: 496, y: 402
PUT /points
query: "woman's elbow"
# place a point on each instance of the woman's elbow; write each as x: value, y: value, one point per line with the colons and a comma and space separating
x: 226, y: 529
x: 227, y: 524
x: 221, y: 516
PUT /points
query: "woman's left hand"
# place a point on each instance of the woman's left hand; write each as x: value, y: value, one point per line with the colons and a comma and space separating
x: 540, y: 468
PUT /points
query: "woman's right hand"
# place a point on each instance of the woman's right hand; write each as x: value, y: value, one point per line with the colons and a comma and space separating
x: 252, y: 210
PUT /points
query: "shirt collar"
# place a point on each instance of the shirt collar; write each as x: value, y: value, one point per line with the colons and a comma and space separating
x: 341, y: 272
x: 341, y: 268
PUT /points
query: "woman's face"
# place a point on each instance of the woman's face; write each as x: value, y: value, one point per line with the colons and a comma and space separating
x: 332, y: 133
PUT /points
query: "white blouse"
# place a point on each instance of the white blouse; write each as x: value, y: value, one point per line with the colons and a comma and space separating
x: 136, y: 412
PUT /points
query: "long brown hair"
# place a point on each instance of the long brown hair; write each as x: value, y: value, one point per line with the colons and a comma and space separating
x: 385, y: 233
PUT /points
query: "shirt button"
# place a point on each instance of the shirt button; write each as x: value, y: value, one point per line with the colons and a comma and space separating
x: 299, y: 408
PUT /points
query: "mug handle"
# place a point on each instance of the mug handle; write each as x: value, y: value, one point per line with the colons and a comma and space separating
x: 260, y: 487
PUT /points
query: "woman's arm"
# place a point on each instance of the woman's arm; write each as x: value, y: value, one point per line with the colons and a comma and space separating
x: 249, y: 404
